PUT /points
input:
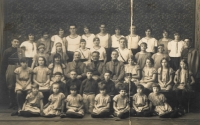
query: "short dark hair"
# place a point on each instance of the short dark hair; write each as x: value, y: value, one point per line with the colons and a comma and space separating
x: 35, y: 86
x: 96, y: 52
x: 73, y: 87
x: 108, y: 71
x: 82, y: 40
x: 23, y: 60
x: 73, y: 25
x: 143, y: 43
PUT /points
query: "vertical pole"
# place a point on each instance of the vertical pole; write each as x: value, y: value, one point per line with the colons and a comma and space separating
x: 197, y: 25
x: 1, y: 27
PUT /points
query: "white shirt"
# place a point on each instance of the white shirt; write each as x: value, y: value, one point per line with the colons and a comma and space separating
x: 115, y: 41
x: 57, y: 39
x: 73, y: 43
x: 151, y: 43
x: 30, y: 48
x: 125, y: 53
x: 103, y: 40
x: 175, y: 48
x: 133, y: 41
x: 101, y: 50
x: 89, y: 40
x: 84, y: 53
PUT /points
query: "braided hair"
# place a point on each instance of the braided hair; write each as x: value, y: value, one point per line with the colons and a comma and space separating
x: 180, y: 69
x: 168, y: 68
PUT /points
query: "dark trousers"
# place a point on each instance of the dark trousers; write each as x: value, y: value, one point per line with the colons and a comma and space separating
x: 70, y: 55
x: 174, y: 63
x: 12, y: 96
x: 122, y: 115
x: 108, y: 53
x: 182, y: 98
x: 21, y: 95
x: 30, y: 61
x: 134, y: 51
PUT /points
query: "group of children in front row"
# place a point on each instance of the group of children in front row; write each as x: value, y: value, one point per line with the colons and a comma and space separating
x: 73, y: 98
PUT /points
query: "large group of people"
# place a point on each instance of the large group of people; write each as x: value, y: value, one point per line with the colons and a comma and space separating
x: 102, y: 75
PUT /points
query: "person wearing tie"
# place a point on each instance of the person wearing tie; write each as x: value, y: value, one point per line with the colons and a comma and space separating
x: 77, y: 66
x: 116, y: 67
x: 175, y: 48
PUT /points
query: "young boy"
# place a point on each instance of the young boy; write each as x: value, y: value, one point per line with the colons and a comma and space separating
x: 129, y: 85
x: 89, y: 89
x: 102, y: 104
x: 85, y: 52
x: 74, y: 104
x: 157, y: 57
x: 121, y: 104
x: 124, y: 53
x: 140, y: 103
x: 63, y: 87
x: 142, y: 55
x: 73, y: 81
x: 175, y: 48
x: 133, y: 40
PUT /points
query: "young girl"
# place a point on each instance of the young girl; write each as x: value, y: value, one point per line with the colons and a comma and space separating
x: 165, y: 40
x: 56, y: 102
x: 134, y: 69
x: 88, y: 37
x: 142, y: 55
x: 57, y: 66
x: 158, y: 100
x: 115, y: 38
x: 33, y: 105
x: 102, y: 104
x: 159, y: 55
x: 41, y: 52
x: 148, y: 74
x: 46, y: 41
x: 149, y: 40
x: 85, y: 52
x: 23, y: 81
x: 165, y: 75
x: 74, y: 104
x: 100, y: 49
x: 64, y: 56
x: 133, y: 40
x: 183, y: 83
x: 121, y: 104
x: 59, y: 38
x: 140, y: 103
x: 41, y: 77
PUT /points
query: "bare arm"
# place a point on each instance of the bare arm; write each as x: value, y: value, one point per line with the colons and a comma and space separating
x: 115, y: 106
x: 48, y: 80
x: 152, y: 79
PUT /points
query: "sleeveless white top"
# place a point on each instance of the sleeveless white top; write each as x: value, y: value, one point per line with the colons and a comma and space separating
x: 57, y: 39
x: 134, y: 43
x: 103, y: 40
x: 101, y: 50
x: 73, y: 43
x: 115, y: 41
x: 89, y: 40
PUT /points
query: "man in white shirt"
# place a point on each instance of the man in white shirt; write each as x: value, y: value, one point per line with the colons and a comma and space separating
x: 124, y: 53
x: 73, y: 41
x: 175, y: 48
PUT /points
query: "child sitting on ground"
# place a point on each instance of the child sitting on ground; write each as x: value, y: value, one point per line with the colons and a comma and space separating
x: 102, y: 104
x: 140, y: 104
x: 121, y: 104
x: 74, y: 104
x: 56, y: 102
x: 33, y: 105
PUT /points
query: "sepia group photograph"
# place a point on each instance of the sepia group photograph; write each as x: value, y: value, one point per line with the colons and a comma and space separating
x: 100, y: 62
